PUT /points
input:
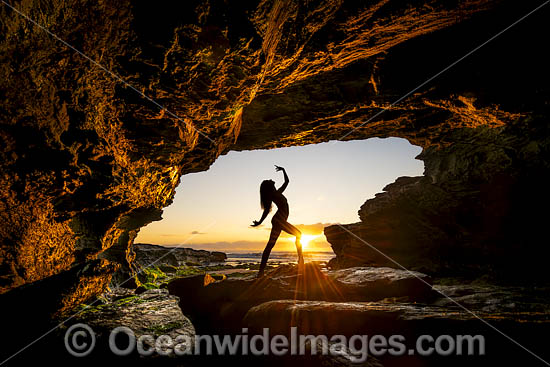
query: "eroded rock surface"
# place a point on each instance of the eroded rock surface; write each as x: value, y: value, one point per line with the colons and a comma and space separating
x: 494, y: 325
x: 224, y: 303
x: 362, y: 283
x: 153, y: 312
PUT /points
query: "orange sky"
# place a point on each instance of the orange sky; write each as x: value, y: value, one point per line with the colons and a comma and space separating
x: 213, y: 210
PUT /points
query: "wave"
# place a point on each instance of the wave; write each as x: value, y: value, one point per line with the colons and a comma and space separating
x: 279, y: 256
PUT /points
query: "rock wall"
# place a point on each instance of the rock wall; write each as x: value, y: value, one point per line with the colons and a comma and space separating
x: 86, y: 161
x: 476, y: 211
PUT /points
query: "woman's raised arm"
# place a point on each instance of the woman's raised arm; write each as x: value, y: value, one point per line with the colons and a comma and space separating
x: 283, y: 187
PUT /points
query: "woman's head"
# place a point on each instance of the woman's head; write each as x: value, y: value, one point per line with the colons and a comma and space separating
x: 267, y: 188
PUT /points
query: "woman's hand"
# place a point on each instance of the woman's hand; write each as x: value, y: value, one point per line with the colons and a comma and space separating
x: 283, y: 187
x: 255, y: 223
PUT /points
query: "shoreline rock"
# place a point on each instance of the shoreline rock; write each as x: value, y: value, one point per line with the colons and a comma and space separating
x: 471, y: 214
x: 147, y: 254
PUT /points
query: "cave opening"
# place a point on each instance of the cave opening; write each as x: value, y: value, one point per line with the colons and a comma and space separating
x: 213, y: 210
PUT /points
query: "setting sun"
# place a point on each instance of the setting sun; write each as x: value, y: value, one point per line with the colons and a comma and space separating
x: 306, y: 239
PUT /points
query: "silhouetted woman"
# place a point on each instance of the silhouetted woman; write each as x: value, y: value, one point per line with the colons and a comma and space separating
x: 268, y: 195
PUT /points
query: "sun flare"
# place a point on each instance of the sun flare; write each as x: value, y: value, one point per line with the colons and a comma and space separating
x: 306, y: 239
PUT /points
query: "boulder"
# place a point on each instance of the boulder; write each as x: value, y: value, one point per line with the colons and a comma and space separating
x: 385, y: 318
x: 375, y: 283
x: 322, y: 317
x: 221, y: 304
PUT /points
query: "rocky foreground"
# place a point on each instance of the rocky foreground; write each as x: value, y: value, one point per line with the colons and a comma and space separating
x: 364, y: 300
x: 225, y: 303
x: 354, y: 301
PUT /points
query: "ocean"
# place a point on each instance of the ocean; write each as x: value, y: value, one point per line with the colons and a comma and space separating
x: 276, y: 257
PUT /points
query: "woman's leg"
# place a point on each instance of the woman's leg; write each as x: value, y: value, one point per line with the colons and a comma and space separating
x: 275, y: 232
x: 289, y: 228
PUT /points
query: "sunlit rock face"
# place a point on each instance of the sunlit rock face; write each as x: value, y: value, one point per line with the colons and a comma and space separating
x: 86, y: 161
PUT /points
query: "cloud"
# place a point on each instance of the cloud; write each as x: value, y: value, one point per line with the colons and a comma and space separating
x: 316, y: 228
x: 197, y: 232
x: 318, y: 244
x: 225, y: 245
x: 313, y: 229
